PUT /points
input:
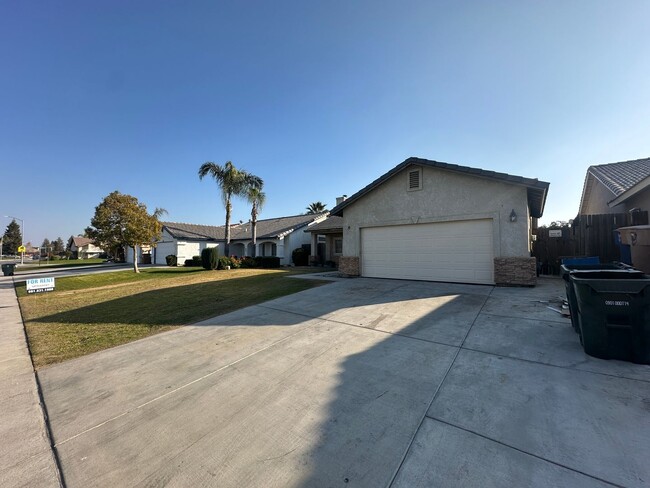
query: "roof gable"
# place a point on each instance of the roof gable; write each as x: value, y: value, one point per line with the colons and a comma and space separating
x: 80, y: 241
x: 622, y: 179
x: 537, y: 190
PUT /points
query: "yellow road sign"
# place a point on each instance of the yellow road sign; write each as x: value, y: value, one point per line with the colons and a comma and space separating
x: 21, y: 249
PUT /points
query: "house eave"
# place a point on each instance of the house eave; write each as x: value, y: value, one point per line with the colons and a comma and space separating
x: 537, y: 190
x: 635, y: 190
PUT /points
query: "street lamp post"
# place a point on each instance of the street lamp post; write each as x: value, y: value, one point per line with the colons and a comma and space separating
x: 22, y: 236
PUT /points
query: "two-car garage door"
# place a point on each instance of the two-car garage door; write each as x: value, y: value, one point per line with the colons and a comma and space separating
x: 458, y: 251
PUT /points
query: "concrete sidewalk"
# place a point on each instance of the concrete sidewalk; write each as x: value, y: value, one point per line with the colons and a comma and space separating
x: 26, y: 457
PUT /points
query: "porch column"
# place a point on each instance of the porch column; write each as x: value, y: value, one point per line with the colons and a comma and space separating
x: 314, y: 244
x: 279, y: 252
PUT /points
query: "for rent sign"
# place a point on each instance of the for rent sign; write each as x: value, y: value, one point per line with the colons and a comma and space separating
x: 38, y: 285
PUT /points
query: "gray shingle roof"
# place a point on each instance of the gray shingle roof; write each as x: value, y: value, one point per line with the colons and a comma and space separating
x: 330, y: 223
x: 537, y: 189
x: 193, y: 231
x: 620, y: 177
x: 274, y: 228
x: 266, y: 228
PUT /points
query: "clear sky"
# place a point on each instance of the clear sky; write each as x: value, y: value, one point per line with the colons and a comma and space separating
x: 317, y: 98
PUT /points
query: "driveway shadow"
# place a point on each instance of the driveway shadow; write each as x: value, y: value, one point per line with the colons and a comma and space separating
x: 327, y: 387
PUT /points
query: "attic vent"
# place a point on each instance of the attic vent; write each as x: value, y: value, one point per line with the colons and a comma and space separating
x: 415, y: 179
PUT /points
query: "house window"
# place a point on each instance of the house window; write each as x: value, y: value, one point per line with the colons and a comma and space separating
x: 269, y: 249
x: 414, y: 179
x: 338, y: 246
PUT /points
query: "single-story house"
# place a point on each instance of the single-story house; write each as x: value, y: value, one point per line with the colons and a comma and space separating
x: 616, y: 188
x: 429, y: 220
x: 275, y: 237
x: 181, y: 240
x: 83, y: 248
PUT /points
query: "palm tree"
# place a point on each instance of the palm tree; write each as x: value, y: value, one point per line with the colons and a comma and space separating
x: 232, y: 181
x: 256, y: 197
x: 316, y: 208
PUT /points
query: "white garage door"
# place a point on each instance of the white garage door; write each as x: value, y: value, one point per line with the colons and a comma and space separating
x: 459, y: 251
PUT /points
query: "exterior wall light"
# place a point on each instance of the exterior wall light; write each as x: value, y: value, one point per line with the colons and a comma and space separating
x: 513, y: 216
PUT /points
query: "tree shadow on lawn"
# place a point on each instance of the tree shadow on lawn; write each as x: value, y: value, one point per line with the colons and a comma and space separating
x: 181, y: 305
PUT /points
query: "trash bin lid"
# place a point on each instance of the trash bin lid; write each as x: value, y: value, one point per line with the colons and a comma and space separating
x: 642, y: 233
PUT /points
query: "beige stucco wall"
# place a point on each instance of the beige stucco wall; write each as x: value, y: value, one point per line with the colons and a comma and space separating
x: 640, y: 200
x: 444, y: 196
x: 596, y: 203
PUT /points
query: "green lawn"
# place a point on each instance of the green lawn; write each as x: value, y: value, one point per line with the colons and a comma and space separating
x: 94, y: 312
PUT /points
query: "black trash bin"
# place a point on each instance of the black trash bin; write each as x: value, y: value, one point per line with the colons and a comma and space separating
x: 614, y: 313
x: 586, y: 270
x: 8, y: 269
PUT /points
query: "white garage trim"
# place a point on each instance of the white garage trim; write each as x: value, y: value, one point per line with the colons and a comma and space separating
x: 456, y: 251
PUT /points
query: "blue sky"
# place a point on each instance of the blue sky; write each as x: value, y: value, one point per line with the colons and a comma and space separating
x: 317, y: 98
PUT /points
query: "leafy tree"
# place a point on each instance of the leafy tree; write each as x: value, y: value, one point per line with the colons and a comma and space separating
x: 122, y: 221
x: 231, y: 181
x: 256, y: 197
x: 316, y: 208
x: 12, y: 238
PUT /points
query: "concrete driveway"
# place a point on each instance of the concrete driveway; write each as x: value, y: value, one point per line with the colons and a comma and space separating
x: 362, y: 382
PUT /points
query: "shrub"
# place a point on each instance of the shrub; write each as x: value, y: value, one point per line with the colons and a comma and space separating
x: 300, y: 257
x: 248, y: 262
x: 171, y: 260
x: 195, y: 261
x: 235, y: 262
x: 209, y: 258
x: 268, y: 261
x: 223, y: 262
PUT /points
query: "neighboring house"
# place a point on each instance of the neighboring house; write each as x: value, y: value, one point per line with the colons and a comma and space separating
x: 428, y: 220
x: 83, y: 248
x: 616, y: 188
x: 275, y: 237
x: 183, y: 241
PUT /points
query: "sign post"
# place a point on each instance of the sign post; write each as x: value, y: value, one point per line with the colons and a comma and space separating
x: 21, y: 250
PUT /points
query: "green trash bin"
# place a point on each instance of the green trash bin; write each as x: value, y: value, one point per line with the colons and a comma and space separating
x: 8, y: 269
x: 585, y: 270
x: 614, y: 314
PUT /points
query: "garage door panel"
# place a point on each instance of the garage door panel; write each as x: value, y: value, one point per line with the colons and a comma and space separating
x: 458, y: 251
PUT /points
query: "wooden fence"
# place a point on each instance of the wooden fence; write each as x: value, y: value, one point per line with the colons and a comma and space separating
x: 589, y: 235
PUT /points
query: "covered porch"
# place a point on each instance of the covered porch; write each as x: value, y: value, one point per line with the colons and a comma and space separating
x: 326, y: 242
